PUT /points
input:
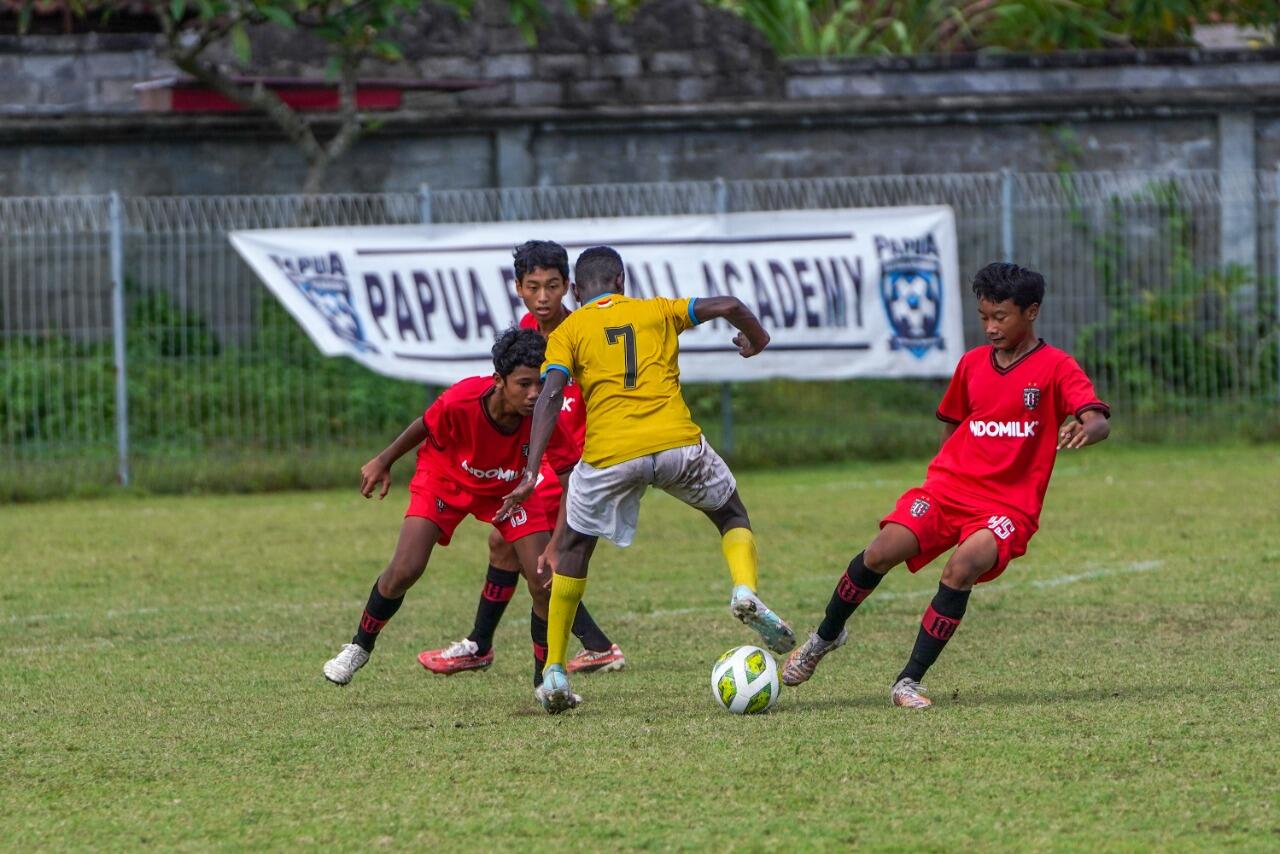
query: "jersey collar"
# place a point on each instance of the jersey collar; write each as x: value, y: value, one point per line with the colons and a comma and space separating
x: 598, y: 297
x: 484, y: 407
x: 999, y: 370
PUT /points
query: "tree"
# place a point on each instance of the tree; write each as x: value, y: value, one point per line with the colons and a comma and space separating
x: 196, y: 32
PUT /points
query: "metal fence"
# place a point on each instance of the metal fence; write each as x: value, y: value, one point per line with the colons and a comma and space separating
x: 134, y: 340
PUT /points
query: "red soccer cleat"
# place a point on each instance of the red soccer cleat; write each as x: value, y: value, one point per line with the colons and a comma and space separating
x: 587, y: 661
x: 455, y: 658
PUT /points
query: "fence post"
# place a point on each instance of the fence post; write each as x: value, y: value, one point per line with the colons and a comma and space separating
x: 1006, y: 215
x: 424, y: 204
x: 1276, y: 237
x: 726, y: 390
x: 117, y: 334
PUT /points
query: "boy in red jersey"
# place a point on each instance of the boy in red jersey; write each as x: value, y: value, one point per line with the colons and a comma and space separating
x: 542, y: 282
x: 985, y: 488
x: 472, y: 443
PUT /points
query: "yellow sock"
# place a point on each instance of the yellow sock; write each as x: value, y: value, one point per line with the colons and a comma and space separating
x: 739, y: 547
x: 566, y: 593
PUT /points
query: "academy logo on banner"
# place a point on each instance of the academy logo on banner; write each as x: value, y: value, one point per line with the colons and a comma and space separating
x: 870, y: 292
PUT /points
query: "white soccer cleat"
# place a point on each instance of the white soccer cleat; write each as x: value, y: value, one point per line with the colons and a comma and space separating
x: 910, y: 695
x: 344, y: 665
x: 801, y: 663
x: 754, y: 614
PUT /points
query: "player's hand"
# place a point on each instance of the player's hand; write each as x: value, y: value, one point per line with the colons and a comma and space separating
x: 372, y: 474
x: 547, y: 562
x: 517, y: 496
x: 1072, y: 436
x: 747, y: 348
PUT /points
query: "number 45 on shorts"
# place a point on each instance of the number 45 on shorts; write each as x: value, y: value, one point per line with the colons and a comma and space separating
x: 1001, y: 526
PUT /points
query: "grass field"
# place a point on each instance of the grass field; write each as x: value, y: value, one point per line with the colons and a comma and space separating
x: 1117, y: 689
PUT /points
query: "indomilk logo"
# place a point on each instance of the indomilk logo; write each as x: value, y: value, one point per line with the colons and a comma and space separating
x: 323, y: 281
x: 911, y: 289
x: 489, y: 474
x: 1017, y: 429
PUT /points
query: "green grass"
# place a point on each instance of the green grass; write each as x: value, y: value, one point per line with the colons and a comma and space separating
x: 1116, y: 689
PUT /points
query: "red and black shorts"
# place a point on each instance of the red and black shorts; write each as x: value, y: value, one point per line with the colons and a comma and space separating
x: 941, y: 522
x: 446, y: 506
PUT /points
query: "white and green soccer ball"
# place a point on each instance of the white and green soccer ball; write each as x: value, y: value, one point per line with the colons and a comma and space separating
x: 745, y: 681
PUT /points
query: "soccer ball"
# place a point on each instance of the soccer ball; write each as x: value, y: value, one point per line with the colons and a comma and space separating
x: 745, y: 680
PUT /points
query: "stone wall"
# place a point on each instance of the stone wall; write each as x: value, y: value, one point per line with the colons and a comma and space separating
x: 681, y: 91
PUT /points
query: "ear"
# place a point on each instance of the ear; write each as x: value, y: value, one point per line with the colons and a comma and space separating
x: 497, y: 380
x: 619, y: 283
x: 577, y: 297
x: 1033, y: 311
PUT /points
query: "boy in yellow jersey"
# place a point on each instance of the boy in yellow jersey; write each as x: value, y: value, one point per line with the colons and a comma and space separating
x: 623, y: 353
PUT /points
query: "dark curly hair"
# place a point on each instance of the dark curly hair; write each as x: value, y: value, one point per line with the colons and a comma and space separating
x: 999, y: 282
x: 518, y: 348
x: 599, y: 266
x: 546, y: 254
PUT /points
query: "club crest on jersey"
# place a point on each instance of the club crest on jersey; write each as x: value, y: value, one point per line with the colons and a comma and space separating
x: 440, y: 505
x: 911, y: 290
x: 1031, y: 397
x: 323, y: 281
x: 919, y: 507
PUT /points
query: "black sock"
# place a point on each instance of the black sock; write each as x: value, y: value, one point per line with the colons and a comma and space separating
x: 538, y: 634
x: 499, y: 587
x: 855, y: 585
x: 377, y: 611
x: 936, y: 627
x: 591, y: 635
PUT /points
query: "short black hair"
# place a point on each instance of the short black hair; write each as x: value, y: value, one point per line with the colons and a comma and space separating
x: 518, y: 348
x: 546, y: 254
x: 597, y: 266
x: 1000, y: 281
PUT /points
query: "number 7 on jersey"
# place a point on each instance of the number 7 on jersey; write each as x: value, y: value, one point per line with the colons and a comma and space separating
x: 628, y: 335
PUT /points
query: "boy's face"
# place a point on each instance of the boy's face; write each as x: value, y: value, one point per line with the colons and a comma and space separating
x: 519, y: 389
x: 543, y: 290
x: 1005, y: 325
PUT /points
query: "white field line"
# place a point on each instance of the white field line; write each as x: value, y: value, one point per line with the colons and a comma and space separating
x: 113, y: 614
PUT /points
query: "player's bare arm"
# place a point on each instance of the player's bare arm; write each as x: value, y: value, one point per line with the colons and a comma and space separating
x: 377, y: 472
x: 1089, y: 429
x: 545, y: 414
x: 751, y: 337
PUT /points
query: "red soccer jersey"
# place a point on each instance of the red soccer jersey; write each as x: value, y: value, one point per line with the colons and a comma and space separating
x: 467, y: 452
x: 573, y: 413
x: 1007, y: 419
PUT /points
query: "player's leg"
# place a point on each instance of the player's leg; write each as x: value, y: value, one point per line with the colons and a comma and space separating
x: 697, y: 475
x: 893, y: 545
x: 528, y: 550
x: 475, y: 651
x: 602, y: 502
x: 976, y: 554
x: 418, y: 537
x: 567, y: 586
x: 738, y: 544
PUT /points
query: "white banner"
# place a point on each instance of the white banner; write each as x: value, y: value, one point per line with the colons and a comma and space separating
x: 871, y: 292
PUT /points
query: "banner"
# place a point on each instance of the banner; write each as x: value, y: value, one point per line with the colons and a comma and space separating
x: 870, y: 292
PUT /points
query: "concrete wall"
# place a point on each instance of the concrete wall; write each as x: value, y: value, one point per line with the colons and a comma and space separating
x: 682, y: 91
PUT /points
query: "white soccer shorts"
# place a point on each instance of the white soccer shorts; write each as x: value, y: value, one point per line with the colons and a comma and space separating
x: 605, y: 502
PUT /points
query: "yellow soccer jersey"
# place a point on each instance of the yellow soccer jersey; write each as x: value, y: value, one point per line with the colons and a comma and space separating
x: 622, y: 352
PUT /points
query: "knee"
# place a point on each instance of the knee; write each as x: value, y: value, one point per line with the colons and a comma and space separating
x: 496, y: 542
x: 539, y: 593
x: 399, y: 576
x: 878, y: 559
x: 961, y: 575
